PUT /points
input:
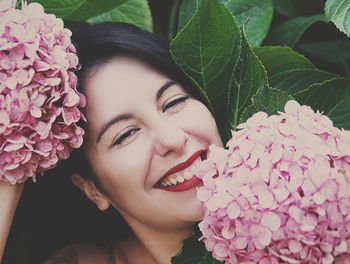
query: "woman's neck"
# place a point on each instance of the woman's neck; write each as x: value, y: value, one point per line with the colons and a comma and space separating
x: 154, y: 246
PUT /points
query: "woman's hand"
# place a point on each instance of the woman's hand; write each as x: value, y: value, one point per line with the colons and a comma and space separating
x: 9, y: 197
x: 342, y: 259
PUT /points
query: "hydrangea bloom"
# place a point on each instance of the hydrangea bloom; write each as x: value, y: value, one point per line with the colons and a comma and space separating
x: 280, y: 192
x: 38, y: 97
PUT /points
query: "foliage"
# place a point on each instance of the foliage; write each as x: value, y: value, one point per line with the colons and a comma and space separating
x: 86, y: 11
x: 190, y: 245
x: 338, y: 11
x: 255, y: 15
x: 285, y: 63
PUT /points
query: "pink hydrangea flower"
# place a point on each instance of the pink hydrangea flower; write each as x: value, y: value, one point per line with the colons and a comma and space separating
x: 280, y: 192
x: 38, y: 97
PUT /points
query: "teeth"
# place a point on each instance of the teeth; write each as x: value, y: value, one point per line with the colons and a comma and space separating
x: 168, y: 182
x: 193, y: 170
x: 173, y: 181
x: 187, y: 175
x: 180, y: 179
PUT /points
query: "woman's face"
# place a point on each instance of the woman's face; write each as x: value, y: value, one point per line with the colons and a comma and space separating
x: 144, y: 133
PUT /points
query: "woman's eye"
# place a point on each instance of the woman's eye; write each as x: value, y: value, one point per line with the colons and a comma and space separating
x: 124, y: 135
x: 174, y: 103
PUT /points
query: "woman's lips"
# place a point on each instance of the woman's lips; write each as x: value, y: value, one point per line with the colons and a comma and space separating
x: 186, y: 184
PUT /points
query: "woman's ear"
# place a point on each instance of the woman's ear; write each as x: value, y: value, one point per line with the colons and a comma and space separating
x: 91, y: 191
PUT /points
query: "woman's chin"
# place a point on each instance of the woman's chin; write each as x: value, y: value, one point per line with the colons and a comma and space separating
x: 196, y: 211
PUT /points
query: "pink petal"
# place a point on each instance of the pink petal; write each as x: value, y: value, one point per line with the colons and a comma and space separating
x: 328, y: 259
x: 228, y: 232
x: 71, y: 99
x: 296, y: 213
x: 292, y: 107
x: 221, y: 250
x: 70, y: 115
x: 319, y: 198
x: 44, y: 146
x: 35, y: 111
x: 233, y: 210
x: 203, y: 194
x: 294, y: 246
x: 266, y: 199
x: 42, y: 129
x: 4, y: 117
x: 222, y: 199
x: 308, y: 187
x: 241, y: 242
x: 271, y: 220
x: 262, y: 234
x: 13, y: 147
x: 256, y: 119
x: 309, y: 222
x: 280, y: 194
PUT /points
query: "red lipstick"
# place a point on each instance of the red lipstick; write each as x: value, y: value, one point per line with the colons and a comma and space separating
x: 187, y: 184
x: 184, y: 186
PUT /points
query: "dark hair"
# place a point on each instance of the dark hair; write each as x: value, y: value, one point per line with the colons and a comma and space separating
x: 98, y: 44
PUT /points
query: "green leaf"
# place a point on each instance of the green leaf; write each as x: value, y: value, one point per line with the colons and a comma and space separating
x: 211, y: 51
x: 338, y: 11
x: 294, y: 81
x: 298, y: 8
x: 340, y: 113
x: 247, y: 113
x: 270, y: 100
x: 173, y: 19
x: 187, y: 10
x: 284, y: 7
x: 335, y: 52
x: 207, y: 50
x: 288, y: 33
x: 135, y: 12
x: 194, y: 252
x: 249, y: 75
x: 93, y: 8
x: 61, y: 8
x: 332, y: 98
x: 254, y: 15
x: 280, y: 59
x: 266, y: 99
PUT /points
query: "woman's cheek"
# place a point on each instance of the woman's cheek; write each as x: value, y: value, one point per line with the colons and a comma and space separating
x: 129, y: 163
x: 201, y: 121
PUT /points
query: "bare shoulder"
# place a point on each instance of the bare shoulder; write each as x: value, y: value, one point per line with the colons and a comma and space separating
x: 84, y: 253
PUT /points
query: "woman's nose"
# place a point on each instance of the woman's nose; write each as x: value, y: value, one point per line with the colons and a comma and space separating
x: 169, y: 137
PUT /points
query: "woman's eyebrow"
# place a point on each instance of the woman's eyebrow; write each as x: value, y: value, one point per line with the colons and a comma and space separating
x: 110, y: 123
x: 121, y: 117
x: 163, y: 88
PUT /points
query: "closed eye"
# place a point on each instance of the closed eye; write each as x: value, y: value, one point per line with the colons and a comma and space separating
x: 174, y: 103
x: 125, y: 135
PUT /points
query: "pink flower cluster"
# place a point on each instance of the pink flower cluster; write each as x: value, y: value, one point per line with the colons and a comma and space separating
x: 38, y: 97
x: 280, y: 192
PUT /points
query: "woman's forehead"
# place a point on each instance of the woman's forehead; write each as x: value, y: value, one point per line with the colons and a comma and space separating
x: 122, y: 75
x: 121, y: 85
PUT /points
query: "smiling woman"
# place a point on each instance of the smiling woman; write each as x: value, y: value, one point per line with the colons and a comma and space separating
x: 147, y: 130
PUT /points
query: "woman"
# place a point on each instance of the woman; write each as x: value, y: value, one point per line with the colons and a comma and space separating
x: 147, y: 130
